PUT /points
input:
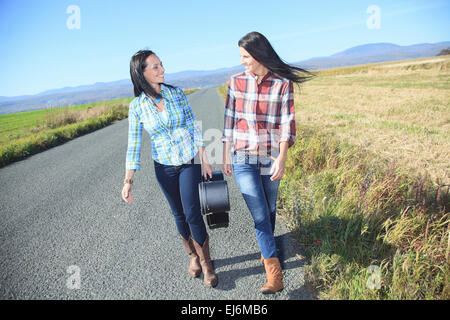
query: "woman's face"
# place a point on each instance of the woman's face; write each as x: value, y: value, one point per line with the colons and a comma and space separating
x: 154, y: 72
x: 250, y: 64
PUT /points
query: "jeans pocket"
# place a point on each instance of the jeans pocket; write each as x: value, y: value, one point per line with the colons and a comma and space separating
x: 238, y: 158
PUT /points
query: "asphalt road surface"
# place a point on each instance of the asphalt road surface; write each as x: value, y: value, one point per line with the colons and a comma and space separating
x: 66, y: 233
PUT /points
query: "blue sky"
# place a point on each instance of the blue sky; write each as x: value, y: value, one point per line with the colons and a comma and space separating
x: 39, y: 52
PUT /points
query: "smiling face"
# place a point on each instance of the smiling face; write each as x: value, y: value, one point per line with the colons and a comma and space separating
x: 154, y: 72
x: 251, y: 64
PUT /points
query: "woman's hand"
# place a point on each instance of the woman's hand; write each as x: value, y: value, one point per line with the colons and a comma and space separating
x: 206, y: 170
x: 278, y: 165
x: 277, y: 169
x: 227, y: 168
x: 126, y: 193
x: 206, y: 167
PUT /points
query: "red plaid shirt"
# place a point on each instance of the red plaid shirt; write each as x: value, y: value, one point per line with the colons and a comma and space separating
x: 259, y: 117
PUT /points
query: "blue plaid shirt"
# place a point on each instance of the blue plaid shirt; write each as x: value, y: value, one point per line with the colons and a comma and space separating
x: 174, y: 141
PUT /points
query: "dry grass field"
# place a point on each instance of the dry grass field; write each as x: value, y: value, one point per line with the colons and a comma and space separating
x: 367, y: 182
x: 399, y: 110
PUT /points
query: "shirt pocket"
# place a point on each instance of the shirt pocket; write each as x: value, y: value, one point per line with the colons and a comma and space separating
x: 273, y: 106
x: 244, y: 101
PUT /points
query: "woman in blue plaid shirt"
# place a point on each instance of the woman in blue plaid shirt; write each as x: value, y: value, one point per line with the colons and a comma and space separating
x: 178, y: 153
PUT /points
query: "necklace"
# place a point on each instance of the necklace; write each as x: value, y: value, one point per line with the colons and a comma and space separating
x: 157, y: 101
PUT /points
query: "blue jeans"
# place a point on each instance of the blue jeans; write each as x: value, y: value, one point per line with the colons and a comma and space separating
x: 180, y: 186
x: 260, y: 194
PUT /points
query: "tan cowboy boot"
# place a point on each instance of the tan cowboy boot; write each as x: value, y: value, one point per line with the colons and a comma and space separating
x: 209, y: 275
x: 274, y: 276
x: 194, y: 262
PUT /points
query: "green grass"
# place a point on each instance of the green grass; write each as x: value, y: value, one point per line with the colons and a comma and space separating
x: 26, y: 133
x: 22, y: 124
x: 28, y: 142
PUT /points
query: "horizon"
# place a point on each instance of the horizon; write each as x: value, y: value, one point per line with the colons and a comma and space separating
x: 71, y: 47
x: 224, y: 68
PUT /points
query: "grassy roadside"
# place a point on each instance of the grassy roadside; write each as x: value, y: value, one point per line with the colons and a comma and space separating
x: 366, y: 188
x: 367, y: 182
x: 369, y: 228
x: 27, y: 133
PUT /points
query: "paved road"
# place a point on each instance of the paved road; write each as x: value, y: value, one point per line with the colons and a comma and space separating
x: 67, y: 234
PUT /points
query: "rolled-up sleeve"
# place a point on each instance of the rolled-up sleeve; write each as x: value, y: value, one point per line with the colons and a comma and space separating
x: 287, y: 115
x: 133, y: 161
x: 228, y: 125
x: 191, y: 124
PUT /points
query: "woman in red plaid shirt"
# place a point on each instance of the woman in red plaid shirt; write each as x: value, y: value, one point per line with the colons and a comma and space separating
x: 259, y: 127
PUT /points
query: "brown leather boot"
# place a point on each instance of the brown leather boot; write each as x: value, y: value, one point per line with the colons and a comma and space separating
x: 209, y: 275
x: 194, y: 262
x: 274, y: 276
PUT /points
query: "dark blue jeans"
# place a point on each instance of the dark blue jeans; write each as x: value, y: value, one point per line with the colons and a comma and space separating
x: 180, y: 186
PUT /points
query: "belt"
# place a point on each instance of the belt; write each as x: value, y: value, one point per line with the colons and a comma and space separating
x: 248, y: 153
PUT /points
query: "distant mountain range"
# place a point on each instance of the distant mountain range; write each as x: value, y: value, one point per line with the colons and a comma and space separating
x: 363, y: 54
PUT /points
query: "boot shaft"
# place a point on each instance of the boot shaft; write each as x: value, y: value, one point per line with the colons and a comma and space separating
x: 274, y: 276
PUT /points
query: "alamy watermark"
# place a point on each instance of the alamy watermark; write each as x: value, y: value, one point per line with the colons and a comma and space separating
x: 374, y: 20
x: 374, y: 280
x: 74, y: 20
x: 74, y: 280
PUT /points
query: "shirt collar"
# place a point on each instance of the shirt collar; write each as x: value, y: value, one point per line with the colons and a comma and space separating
x: 163, y: 92
x: 254, y: 76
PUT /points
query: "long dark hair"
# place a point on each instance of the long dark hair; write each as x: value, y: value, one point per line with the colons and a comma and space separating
x: 260, y: 48
x: 137, y: 67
